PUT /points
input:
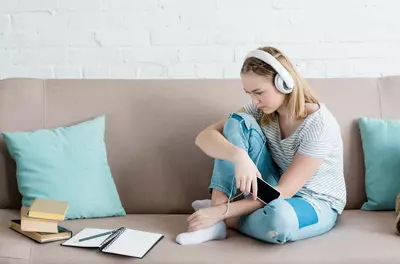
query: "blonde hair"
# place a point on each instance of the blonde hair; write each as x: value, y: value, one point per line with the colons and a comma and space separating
x: 297, y: 99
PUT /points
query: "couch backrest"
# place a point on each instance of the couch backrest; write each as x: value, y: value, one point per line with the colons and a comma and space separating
x: 152, y: 124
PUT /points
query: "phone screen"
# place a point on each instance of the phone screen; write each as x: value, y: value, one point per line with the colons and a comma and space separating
x: 266, y: 193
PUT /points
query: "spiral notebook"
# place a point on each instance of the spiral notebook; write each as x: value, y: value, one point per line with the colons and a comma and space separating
x: 122, y: 241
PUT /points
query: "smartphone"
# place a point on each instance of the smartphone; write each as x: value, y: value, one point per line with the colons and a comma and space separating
x: 266, y: 193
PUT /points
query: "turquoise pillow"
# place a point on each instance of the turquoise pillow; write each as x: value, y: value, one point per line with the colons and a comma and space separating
x: 381, y: 147
x: 68, y: 164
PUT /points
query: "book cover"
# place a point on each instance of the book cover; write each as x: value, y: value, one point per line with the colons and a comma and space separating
x: 40, y: 237
x: 48, y: 209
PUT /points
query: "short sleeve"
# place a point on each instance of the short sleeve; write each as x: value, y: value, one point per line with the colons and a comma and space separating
x: 252, y: 109
x: 316, y: 141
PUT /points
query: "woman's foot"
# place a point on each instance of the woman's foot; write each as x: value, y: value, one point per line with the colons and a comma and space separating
x: 200, y: 204
x: 215, y: 232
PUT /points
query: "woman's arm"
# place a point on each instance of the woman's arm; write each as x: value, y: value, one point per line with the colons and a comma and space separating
x: 212, y: 142
x: 297, y: 174
x: 241, y: 207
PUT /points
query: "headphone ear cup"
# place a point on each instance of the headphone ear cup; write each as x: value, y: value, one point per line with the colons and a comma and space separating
x: 281, y: 85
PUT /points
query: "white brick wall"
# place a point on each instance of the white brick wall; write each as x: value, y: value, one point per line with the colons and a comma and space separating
x: 195, y: 39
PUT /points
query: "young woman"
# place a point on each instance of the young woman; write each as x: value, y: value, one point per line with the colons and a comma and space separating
x: 286, y: 137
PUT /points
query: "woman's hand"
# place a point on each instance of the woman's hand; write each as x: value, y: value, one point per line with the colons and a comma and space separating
x: 206, y: 217
x: 246, y: 173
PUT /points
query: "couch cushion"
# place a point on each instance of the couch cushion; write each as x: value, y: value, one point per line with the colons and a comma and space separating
x: 21, y: 108
x: 389, y: 91
x: 359, y: 237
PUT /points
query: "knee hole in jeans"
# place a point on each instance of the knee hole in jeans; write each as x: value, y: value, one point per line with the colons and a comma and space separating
x: 280, y: 224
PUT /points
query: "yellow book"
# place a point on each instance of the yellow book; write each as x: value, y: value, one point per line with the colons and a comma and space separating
x: 30, y: 224
x: 48, y: 209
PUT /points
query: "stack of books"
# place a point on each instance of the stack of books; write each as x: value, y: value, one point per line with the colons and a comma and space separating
x: 41, y: 221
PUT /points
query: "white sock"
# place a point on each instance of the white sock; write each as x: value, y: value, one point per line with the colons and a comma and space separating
x: 215, y: 232
x: 200, y: 204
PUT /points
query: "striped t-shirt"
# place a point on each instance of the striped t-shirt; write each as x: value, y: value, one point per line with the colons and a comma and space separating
x: 317, y: 136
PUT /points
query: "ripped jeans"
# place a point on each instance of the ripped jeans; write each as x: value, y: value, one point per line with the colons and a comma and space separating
x: 282, y: 220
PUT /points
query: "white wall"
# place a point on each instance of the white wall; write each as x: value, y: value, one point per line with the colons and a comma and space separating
x: 195, y: 38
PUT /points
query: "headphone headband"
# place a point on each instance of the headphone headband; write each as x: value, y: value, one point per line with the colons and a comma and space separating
x: 269, y: 59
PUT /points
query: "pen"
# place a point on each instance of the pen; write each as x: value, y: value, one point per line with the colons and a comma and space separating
x: 96, y: 236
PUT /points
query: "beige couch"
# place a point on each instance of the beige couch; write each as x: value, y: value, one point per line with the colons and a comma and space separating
x: 158, y: 170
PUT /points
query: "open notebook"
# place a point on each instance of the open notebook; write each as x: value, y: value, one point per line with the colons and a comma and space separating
x: 122, y: 241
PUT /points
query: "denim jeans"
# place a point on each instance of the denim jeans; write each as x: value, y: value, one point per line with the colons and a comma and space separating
x: 282, y: 220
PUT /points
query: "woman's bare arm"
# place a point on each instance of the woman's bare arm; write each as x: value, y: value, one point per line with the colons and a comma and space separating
x: 212, y: 142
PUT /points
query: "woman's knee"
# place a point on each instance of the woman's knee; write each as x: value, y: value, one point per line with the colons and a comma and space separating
x: 274, y: 223
x: 281, y: 222
x: 239, y: 121
x: 239, y: 130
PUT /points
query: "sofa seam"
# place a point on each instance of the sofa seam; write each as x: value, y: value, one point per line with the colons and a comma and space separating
x: 30, y: 253
x: 12, y: 258
x: 44, y: 117
x: 380, y: 97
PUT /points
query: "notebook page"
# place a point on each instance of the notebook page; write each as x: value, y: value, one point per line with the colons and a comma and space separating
x: 133, y: 243
x: 95, y: 242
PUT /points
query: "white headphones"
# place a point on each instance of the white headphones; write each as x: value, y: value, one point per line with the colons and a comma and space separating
x: 283, y: 80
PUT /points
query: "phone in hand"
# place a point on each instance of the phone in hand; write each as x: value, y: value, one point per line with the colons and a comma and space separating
x: 266, y: 193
